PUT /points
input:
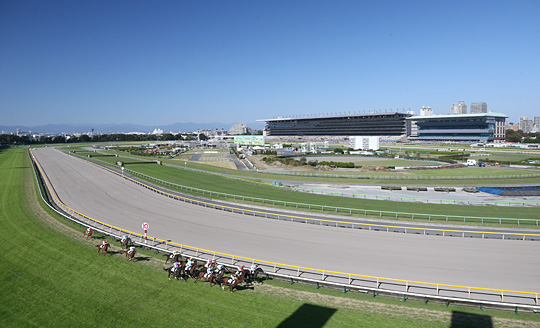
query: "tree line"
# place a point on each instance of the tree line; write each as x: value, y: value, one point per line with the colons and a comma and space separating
x: 520, y: 136
x: 11, y: 139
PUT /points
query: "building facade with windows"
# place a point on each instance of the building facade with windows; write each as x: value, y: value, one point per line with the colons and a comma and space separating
x: 373, y: 124
x: 481, y: 127
x: 480, y: 107
x: 459, y: 108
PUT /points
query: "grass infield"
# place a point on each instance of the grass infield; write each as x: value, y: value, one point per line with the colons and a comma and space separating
x: 52, y: 277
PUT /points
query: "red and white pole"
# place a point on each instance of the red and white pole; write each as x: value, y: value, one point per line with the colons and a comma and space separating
x: 145, y: 227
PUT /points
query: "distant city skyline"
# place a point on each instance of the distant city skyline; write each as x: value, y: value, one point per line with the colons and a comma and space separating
x: 140, y: 62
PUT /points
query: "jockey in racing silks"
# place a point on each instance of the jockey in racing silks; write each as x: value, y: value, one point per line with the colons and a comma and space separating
x: 211, y: 263
x: 103, y: 244
x: 219, y: 268
x: 124, y: 237
x: 233, y: 278
x: 240, y: 271
x: 88, y: 230
x: 253, y: 268
x: 131, y: 249
x: 209, y: 272
x: 189, y: 264
x: 176, y: 266
x: 173, y: 254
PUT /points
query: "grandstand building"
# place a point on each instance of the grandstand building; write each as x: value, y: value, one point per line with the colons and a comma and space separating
x: 479, y: 127
x: 373, y: 124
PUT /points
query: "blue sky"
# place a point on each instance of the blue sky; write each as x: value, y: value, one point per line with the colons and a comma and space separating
x: 159, y: 62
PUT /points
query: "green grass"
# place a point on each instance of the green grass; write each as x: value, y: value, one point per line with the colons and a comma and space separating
x: 51, y: 277
x: 450, y: 177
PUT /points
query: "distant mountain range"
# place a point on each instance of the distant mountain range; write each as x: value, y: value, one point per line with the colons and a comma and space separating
x: 121, y: 128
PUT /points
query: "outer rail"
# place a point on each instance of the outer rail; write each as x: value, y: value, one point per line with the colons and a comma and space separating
x: 525, y: 300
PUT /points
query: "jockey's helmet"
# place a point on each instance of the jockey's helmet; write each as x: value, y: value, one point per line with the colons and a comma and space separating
x: 105, y: 241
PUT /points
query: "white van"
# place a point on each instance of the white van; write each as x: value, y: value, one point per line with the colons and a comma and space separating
x: 471, y: 162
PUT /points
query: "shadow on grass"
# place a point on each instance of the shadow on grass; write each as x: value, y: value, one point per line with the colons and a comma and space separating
x: 308, y: 315
x: 241, y: 287
x: 463, y: 319
x: 141, y: 258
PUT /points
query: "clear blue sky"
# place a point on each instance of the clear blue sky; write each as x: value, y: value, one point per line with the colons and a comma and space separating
x: 158, y: 62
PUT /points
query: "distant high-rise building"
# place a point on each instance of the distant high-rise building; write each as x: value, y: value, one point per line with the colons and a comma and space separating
x: 460, y: 108
x: 480, y: 107
x: 537, y: 122
x: 240, y: 128
x: 426, y: 111
x: 525, y: 124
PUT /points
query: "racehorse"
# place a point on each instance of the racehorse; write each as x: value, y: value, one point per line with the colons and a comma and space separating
x: 102, y: 248
x: 176, y: 273
x: 130, y: 255
x: 251, y: 277
x: 227, y: 282
x: 88, y: 233
x: 214, y: 277
x: 194, y: 271
x: 218, y: 278
x: 126, y: 242
x: 172, y: 257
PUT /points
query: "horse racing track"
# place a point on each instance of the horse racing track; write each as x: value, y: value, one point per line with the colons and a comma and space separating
x: 418, y: 266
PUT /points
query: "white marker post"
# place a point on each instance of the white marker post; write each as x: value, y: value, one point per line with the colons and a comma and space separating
x: 145, y: 227
x: 122, y: 171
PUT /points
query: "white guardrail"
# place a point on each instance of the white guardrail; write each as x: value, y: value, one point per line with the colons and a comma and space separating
x: 486, y: 297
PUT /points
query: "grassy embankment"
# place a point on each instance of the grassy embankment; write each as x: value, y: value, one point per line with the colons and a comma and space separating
x: 51, y: 277
x: 245, y: 188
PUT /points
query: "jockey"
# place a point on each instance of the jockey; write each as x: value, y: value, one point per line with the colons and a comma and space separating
x: 173, y: 254
x: 176, y: 266
x: 131, y: 249
x: 220, y: 268
x: 240, y: 270
x: 124, y: 237
x: 210, y: 263
x: 189, y: 264
x: 104, y: 243
x: 233, y: 278
x: 253, y: 268
x: 209, y: 272
x: 88, y: 230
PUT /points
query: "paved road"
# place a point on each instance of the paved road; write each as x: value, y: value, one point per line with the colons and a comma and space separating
x: 91, y: 190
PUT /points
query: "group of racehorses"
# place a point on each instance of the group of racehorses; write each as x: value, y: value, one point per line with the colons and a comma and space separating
x: 103, y: 248
x: 216, y: 276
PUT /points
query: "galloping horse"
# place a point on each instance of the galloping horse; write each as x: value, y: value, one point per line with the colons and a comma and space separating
x: 232, y: 284
x: 172, y: 257
x: 194, y: 271
x: 218, y: 278
x: 251, y: 277
x: 102, y: 248
x: 202, y: 274
x: 176, y: 273
x: 88, y: 233
x: 130, y: 254
x: 126, y: 242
